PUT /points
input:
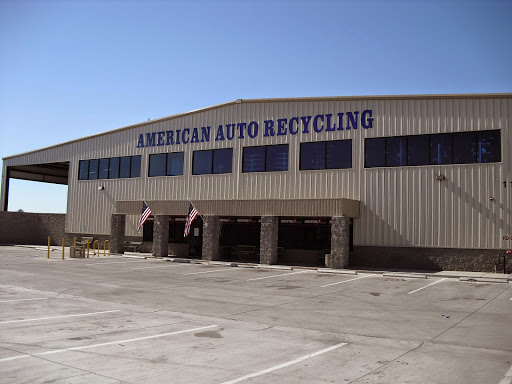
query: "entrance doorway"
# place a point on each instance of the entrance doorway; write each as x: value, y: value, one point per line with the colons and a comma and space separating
x: 240, y: 239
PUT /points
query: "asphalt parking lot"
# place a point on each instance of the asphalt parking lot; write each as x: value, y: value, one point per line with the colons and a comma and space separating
x: 126, y: 320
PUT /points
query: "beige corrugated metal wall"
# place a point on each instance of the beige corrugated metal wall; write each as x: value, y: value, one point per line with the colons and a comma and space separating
x: 402, y: 206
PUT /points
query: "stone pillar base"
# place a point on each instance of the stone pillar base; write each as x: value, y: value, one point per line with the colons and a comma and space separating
x: 161, y: 235
x: 211, y: 232
x: 268, y: 239
x: 117, y: 237
x: 340, y: 236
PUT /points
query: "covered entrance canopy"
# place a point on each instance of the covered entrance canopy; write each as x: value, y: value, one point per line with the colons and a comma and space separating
x: 248, y: 208
x: 223, y: 220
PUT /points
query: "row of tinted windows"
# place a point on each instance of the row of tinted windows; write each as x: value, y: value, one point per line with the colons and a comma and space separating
x: 111, y: 168
x: 435, y: 149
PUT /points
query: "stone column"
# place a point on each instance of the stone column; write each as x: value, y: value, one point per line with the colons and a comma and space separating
x: 161, y: 235
x: 211, y: 232
x: 268, y: 239
x: 117, y: 224
x: 339, y: 242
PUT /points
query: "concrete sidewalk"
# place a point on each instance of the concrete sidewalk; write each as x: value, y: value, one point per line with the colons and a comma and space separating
x: 463, y: 275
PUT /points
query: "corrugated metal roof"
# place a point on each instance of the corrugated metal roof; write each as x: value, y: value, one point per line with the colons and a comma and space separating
x: 280, y: 100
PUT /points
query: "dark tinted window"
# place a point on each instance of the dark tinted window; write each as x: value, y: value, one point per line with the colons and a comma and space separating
x: 418, y: 150
x: 375, y: 152
x: 339, y: 154
x: 277, y: 158
x: 254, y: 159
x: 125, y: 167
x: 441, y: 149
x: 202, y: 163
x: 223, y: 160
x: 135, y: 168
x: 464, y: 147
x: 435, y: 149
x: 103, y: 171
x: 113, y: 172
x: 175, y: 164
x: 93, y: 169
x: 396, y: 151
x: 488, y: 145
x: 157, y: 164
x: 312, y: 155
x: 83, y: 170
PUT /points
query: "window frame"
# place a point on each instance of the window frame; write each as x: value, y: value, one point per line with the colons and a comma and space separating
x: 266, y: 158
x: 212, y: 161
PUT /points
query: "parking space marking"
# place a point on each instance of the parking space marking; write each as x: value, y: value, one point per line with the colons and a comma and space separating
x: 108, y: 343
x: 265, y: 371
x: 346, y: 281
x: 217, y: 270
x: 117, y: 262
x: 13, y: 301
x: 426, y: 286
x: 58, y: 317
x: 284, y: 274
x: 507, y: 379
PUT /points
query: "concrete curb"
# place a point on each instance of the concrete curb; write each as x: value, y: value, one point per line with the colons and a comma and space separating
x: 406, y: 275
x: 337, y: 271
x: 134, y: 257
x: 485, y: 279
x: 278, y: 267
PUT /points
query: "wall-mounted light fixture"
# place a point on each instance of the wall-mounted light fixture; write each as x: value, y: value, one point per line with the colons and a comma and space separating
x: 238, y: 101
x: 101, y: 188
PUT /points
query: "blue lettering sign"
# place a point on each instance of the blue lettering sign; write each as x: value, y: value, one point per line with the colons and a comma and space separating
x: 280, y: 127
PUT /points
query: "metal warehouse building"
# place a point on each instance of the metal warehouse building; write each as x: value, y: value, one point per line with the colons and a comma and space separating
x: 378, y: 181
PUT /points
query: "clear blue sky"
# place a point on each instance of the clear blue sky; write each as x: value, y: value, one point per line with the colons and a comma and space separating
x: 69, y: 69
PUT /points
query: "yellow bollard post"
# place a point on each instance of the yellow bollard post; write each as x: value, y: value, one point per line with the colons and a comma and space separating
x: 87, y: 248
x: 94, y: 248
x: 105, y: 247
x: 63, y: 246
x: 48, y: 255
x: 74, y: 243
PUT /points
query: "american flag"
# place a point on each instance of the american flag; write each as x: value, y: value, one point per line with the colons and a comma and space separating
x: 192, y: 214
x: 144, y: 214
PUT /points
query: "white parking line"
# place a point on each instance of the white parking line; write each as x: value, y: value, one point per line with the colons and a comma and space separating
x: 117, y: 262
x: 426, y: 286
x: 346, y: 281
x: 12, y: 301
x: 104, y: 344
x: 265, y: 371
x: 268, y: 277
x: 58, y: 317
x: 217, y: 270
x: 507, y: 379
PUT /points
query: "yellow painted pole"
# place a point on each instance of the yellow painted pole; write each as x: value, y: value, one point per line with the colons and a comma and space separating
x: 105, y: 247
x: 48, y: 255
x: 94, y: 247
x: 87, y: 248
x: 74, y: 243
x: 63, y: 246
